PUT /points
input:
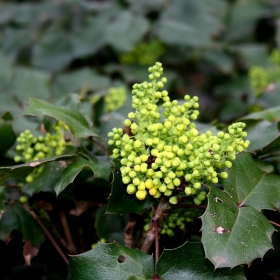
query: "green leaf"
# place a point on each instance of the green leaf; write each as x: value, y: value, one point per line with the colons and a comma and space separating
x: 103, y: 262
x: 234, y: 231
x: 2, y: 198
x: 76, y: 122
x: 7, y: 137
x: 183, y: 20
x: 261, y: 134
x: 251, y: 187
x: 188, y: 262
x: 16, y: 217
x: 114, y: 261
x: 46, y: 180
x: 28, y: 83
x: 22, y: 170
x: 110, y: 226
x: 54, y: 52
x: 133, y: 26
x: 120, y: 201
x: 271, y: 115
x: 72, y: 170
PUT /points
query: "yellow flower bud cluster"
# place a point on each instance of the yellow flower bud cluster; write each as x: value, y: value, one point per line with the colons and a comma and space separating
x: 115, y: 98
x: 166, y: 155
x: 144, y: 53
x: 32, y: 148
x: 262, y: 79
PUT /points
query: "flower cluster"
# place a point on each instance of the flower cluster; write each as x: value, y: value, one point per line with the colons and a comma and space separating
x: 261, y: 78
x: 177, y: 219
x: 166, y: 156
x: 32, y: 148
x: 115, y: 98
x: 144, y: 53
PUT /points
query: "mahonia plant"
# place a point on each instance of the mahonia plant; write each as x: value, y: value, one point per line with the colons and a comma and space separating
x: 145, y: 53
x: 32, y: 148
x: 166, y: 155
x: 114, y: 99
x: 261, y: 78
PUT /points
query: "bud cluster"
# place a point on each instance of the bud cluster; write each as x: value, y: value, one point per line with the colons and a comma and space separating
x: 144, y: 53
x: 115, y: 98
x: 32, y: 148
x: 177, y: 219
x: 166, y: 155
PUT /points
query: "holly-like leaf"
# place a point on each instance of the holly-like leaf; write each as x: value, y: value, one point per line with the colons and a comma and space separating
x: 72, y: 170
x: 234, y: 231
x: 76, y: 122
x: 110, y: 226
x: 111, y: 261
x: 271, y: 114
x: 188, y: 262
x: 114, y: 261
x: 16, y: 217
x: 120, y: 201
x: 249, y: 186
x: 22, y: 170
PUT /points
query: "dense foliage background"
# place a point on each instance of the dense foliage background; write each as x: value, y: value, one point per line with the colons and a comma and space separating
x: 72, y: 53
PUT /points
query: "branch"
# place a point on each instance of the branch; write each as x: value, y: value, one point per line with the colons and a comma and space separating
x: 46, y: 231
x: 71, y: 246
x: 100, y: 145
x: 274, y: 223
x: 129, y: 230
x: 162, y: 210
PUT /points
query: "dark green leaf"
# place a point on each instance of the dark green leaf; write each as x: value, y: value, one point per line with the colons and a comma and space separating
x: 234, y: 231
x: 120, y: 201
x: 110, y: 226
x: 251, y: 187
x: 16, y: 217
x: 271, y: 115
x: 22, y: 170
x: 7, y: 137
x: 133, y: 26
x: 72, y: 170
x: 76, y: 122
x: 262, y: 134
x: 188, y: 262
x: 104, y: 262
x: 46, y: 180
x: 54, y: 52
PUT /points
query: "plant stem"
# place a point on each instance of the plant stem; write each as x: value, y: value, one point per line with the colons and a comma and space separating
x: 48, y: 234
x: 159, y: 214
x: 71, y: 246
x: 100, y: 145
x: 274, y: 223
x: 129, y: 230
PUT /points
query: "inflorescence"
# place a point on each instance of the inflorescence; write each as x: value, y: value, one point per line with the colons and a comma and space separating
x: 166, y: 155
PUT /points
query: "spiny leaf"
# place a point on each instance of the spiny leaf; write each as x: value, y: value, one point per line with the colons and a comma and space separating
x: 74, y: 119
x: 72, y: 170
x: 114, y: 262
x: 16, y: 217
x: 111, y: 261
x: 188, y: 262
x: 234, y: 231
